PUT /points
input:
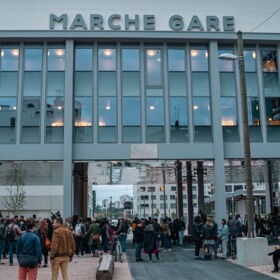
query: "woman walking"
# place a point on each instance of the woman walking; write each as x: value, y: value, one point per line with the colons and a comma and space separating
x: 150, y: 242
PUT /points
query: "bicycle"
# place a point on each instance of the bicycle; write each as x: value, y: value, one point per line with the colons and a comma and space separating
x: 232, y: 248
x: 116, y: 248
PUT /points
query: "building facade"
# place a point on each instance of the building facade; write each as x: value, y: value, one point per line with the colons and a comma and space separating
x: 83, y: 81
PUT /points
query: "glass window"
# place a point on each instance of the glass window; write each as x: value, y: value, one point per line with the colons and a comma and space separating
x: 55, y: 84
x: 131, y: 83
x: 271, y: 84
x: 177, y: 84
x: 7, y: 120
x: 33, y: 59
x: 107, y: 83
x: 253, y: 111
x: 178, y: 111
x: 107, y: 111
x: 228, y: 188
x: 154, y: 68
x: 250, y: 60
x: 269, y: 60
x: 32, y: 84
x: 83, y: 84
x: 154, y: 92
x: 8, y: 83
x: 200, y: 84
x: 155, y: 111
x: 83, y: 59
x: 9, y: 59
x: 227, y: 84
x: 56, y: 59
x: 131, y: 111
x: 225, y: 65
x: 130, y: 60
x: 229, y: 111
x: 107, y: 59
x: 176, y: 60
x: 199, y: 60
x: 31, y: 112
x: 252, y: 84
x: 273, y: 110
x: 201, y: 110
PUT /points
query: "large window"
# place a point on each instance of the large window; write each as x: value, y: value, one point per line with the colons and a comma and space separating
x: 83, y: 95
x: 177, y: 95
x: 228, y: 98
x: 131, y: 106
x: 55, y: 95
x: 201, y: 95
x: 107, y: 92
x: 32, y: 87
x: 8, y: 93
x: 271, y: 92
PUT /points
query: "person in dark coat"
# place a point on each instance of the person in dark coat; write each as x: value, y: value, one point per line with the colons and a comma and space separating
x: 197, y: 235
x: 150, y: 242
x: 139, y: 239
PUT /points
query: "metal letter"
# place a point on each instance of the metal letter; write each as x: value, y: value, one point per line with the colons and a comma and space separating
x: 129, y: 21
x: 228, y: 23
x: 195, y: 23
x: 96, y: 20
x: 78, y: 22
x: 111, y: 19
x: 212, y: 21
x: 62, y: 18
x: 176, y: 22
x: 149, y: 22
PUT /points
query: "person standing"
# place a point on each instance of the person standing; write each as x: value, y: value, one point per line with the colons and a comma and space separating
x: 224, y: 237
x: 62, y: 249
x: 122, y: 231
x: 2, y: 237
x: 80, y: 232
x: 181, y: 232
x: 139, y: 239
x: 197, y: 235
x: 150, y: 242
x: 29, y: 254
x: 94, y: 230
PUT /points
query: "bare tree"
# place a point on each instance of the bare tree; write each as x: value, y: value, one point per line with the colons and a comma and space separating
x: 14, y: 201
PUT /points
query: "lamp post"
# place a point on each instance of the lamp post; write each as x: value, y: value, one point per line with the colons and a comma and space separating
x: 246, y: 135
x: 111, y: 214
x: 163, y: 182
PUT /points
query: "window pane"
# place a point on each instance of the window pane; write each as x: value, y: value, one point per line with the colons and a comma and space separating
x: 272, y: 110
x: 107, y: 84
x: 229, y: 111
x: 269, y: 60
x: 55, y: 84
x: 199, y: 60
x: 154, y: 71
x: 83, y: 59
x: 271, y: 84
x: 33, y: 59
x: 31, y: 112
x: 201, y: 111
x: 176, y: 60
x: 253, y: 111
x: 83, y: 84
x: 9, y: 59
x: 7, y: 120
x: 155, y: 111
x: 32, y: 84
x: 56, y: 59
x: 177, y: 84
x: 226, y: 65
x: 55, y: 111
x: 107, y: 60
x: 131, y: 111
x: 83, y: 111
x: 8, y: 83
x: 154, y: 92
x: 130, y: 60
x: 250, y: 61
x: 107, y: 111
x: 131, y: 83
x: 200, y: 84
x: 227, y: 84
x: 178, y: 111
x: 252, y: 84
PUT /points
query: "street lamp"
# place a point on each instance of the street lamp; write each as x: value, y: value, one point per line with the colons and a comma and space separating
x: 246, y: 135
x: 163, y: 183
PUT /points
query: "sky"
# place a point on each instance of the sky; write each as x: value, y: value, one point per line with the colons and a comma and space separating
x: 105, y: 191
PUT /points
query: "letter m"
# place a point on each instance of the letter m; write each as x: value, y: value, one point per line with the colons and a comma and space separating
x: 54, y: 18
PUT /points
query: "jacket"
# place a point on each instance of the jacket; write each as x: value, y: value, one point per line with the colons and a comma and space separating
x: 94, y: 229
x: 29, y: 244
x: 63, y: 244
x: 224, y: 233
x: 139, y: 234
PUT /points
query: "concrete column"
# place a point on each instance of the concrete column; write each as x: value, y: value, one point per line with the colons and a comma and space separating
x: 268, y: 187
x: 219, y: 170
x: 68, y: 131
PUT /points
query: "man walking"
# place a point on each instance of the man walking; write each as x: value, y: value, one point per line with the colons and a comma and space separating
x: 62, y: 249
x: 28, y: 254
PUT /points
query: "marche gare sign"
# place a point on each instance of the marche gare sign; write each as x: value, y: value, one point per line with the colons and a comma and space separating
x: 137, y: 22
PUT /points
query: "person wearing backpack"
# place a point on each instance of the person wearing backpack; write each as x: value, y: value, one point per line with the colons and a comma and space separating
x: 2, y: 237
x: 12, y: 233
x: 79, y: 233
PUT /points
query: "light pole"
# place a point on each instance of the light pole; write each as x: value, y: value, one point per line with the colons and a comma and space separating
x: 111, y: 214
x: 246, y: 135
x: 163, y: 182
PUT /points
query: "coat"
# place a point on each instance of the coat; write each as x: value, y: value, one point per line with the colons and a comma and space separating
x: 150, y: 242
x: 94, y: 229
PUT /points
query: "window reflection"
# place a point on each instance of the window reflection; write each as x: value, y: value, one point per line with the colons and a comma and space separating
x: 225, y: 65
x: 178, y: 111
x: 201, y: 111
x: 131, y: 111
x: 8, y: 83
x: 273, y: 110
x: 176, y: 60
x: 83, y: 111
x: 56, y: 59
x: 250, y: 60
x: 199, y: 60
x: 154, y: 68
x: 269, y: 60
x: 130, y: 60
x: 33, y: 59
x: 32, y: 84
x: 155, y: 111
x: 107, y: 59
x: 229, y: 111
x: 9, y: 59
x: 107, y: 111
x: 83, y: 59
x: 253, y: 111
x: 177, y: 84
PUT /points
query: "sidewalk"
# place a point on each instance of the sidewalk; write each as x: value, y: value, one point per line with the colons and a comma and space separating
x: 80, y: 268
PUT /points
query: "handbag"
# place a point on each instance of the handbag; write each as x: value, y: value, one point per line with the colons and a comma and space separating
x: 95, y: 237
x: 47, y: 242
x: 28, y: 261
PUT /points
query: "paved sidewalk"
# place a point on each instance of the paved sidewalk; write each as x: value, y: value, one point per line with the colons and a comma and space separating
x: 80, y: 268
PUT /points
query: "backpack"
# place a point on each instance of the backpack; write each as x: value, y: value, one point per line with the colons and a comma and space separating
x: 10, y: 233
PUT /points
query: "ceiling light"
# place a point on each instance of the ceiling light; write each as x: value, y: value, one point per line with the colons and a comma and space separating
x: 108, y: 107
x: 151, y: 52
x: 60, y: 52
x: 108, y: 52
x: 152, y: 107
x: 2, y: 53
x: 15, y: 52
x: 254, y: 55
x: 59, y: 107
x: 194, y: 53
x: 195, y: 107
